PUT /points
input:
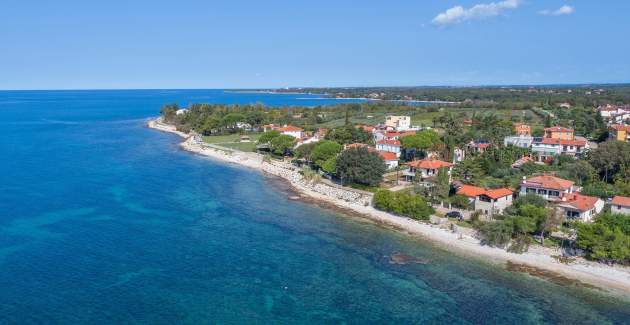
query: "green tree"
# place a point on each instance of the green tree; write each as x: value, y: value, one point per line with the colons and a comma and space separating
x: 404, y: 204
x: 266, y: 137
x: 304, y: 151
x: 607, y: 239
x: 325, y: 150
x: 358, y: 165
x: 330, y: 165
x: 423, y: 140
x: 609, y: 157
x: 282, y: 144
x: 348, y: 134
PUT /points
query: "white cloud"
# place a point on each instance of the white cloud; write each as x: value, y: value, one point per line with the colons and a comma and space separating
x: 460, y: 14
x: 564, y: 10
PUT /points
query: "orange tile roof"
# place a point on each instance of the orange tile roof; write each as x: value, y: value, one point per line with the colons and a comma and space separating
x: 387, y: 156
x: 429, y: 164
x: 549, y: 181
x: 621, y: 200
x: 579, y: 201
x: 392, y: 134
x: 558, y: 129
x: 470, y: 191
x: 620, y: 127
x: 578, y: 143
x: 367, y: 128
x: 290, y: 128
x: 498, y: 193
x: 390, y: 142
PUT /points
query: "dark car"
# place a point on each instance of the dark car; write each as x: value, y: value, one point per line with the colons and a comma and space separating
x: 455, y: 214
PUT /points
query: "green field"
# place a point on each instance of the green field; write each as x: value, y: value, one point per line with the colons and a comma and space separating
x: 233, y: 141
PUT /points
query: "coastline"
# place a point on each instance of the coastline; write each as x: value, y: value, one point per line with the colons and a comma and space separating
x: 537, y: 261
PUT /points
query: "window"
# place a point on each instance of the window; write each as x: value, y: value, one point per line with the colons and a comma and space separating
x: 541, y: 191
x: 530, y: 190
x: 554, y: 193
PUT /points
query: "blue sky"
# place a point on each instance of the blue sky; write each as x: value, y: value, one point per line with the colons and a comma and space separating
x: 247, y: 44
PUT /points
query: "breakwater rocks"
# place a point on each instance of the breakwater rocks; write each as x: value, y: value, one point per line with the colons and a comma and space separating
x: 291, y: 173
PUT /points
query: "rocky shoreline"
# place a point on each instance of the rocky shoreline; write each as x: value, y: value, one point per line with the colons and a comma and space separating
x: 613, y: 278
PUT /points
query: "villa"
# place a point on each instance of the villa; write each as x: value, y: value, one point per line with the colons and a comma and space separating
x: 426, y: 168
x: 558, y: 140
x: 549, y: 187
x: 581, y: 207
x: 293, y: 131
x: 398, y: 123
x: 489, y: 202
x: 393, y: 146
x: 390, y: 158
x: 620, y: 204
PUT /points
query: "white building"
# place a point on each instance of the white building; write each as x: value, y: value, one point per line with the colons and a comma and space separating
x: 549, y: 187
x: 390, y: 158
x: 546, y: 148
x: 620, y: 204
x: 293, y: 131
x: 426, y: 168
x: 581, y: 207
x: 389, y: 146
x: 399, y: 123
x: 522, y: 141
x: 488, y: 202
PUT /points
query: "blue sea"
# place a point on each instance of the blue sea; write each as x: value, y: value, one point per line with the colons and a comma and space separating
x: 104, y: 221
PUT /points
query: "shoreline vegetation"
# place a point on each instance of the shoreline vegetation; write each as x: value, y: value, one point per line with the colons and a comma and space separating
x: 538, y: 261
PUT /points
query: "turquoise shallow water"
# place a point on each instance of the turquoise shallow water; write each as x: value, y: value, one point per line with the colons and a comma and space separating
x: 105, y: 221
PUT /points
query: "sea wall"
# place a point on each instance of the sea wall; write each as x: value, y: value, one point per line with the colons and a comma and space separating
x: 292, y: 174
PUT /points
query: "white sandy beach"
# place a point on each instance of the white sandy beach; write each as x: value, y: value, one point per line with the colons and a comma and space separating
x: 613, y: 278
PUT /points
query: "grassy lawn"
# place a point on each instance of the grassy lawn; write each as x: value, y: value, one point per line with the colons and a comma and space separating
x: 233, y: 141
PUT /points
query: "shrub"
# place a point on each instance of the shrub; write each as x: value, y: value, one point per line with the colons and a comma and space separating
x: 408, y: 205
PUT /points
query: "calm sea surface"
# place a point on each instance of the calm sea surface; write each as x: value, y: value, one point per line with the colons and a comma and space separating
x: 103, y: 221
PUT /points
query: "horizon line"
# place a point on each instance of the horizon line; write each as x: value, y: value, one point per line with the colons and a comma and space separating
x: 561, y: 85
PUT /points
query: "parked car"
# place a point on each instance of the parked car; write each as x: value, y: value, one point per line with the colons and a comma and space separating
x: 455, y: 214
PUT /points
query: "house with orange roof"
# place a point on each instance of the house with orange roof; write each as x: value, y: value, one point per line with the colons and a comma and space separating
x: 426, y: 168
x: 390, y: 146
x: 558, y: 140
x: 559, y: 132
x: 487, y: 201
x: 494, y: 201
x: 522, y: 129
x: 580, y: 207
x: 390, y: 159
x: 620, y: 132
x: 292, y: 130
x: 620, y: 204
x: 550, y: 187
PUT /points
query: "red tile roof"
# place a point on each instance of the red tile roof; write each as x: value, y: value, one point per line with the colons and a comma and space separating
x: 389, y: 142
x: 474, y: 191
x: 577, y: 143
x: 549, y: 181
x: 579, y: 201
x: 621, y: 200
x: 470, y: 191
x: 367, y: 128
x: 391, y: 134
x: 620, y: 127
x: 429, y: 164
x: 558, y: 129
x: 290, y: 128
x: 387, y: 156
x: 498, y: 193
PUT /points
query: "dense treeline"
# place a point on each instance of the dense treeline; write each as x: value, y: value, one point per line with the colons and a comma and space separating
x: 506, y: 96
